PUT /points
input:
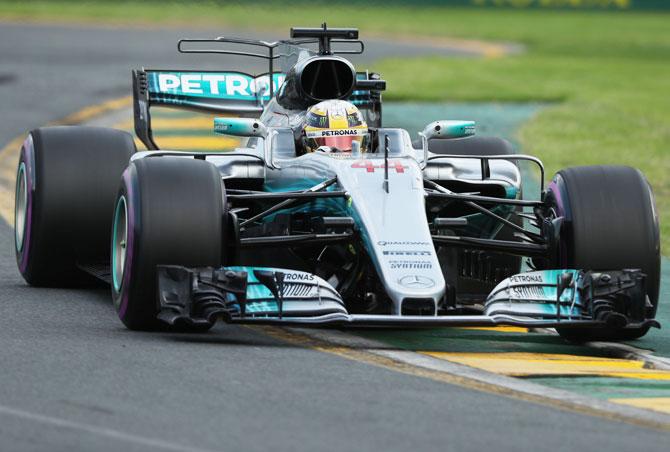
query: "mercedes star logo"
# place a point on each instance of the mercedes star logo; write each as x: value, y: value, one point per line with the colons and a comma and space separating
x: 416, y: 282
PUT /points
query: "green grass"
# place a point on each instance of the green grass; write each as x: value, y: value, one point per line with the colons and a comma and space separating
x: 606, y: 75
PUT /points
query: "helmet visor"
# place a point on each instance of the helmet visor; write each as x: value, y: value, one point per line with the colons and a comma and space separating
x: 341, y: 143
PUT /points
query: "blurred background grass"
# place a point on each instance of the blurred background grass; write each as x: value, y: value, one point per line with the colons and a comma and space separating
x: 604, y: 74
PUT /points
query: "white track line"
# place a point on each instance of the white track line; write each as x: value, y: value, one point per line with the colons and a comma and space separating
x: 98, y: 431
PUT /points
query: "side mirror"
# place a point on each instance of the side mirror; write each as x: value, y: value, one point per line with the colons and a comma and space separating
x: 240, y: 127
x: 449, y: 129
x: 444, y: 129
x: 246, y: 127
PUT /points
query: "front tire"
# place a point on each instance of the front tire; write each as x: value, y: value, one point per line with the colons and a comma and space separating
x: 610, y: 223
x: 168, y: 211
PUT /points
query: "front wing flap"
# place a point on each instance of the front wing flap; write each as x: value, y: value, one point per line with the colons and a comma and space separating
x: 201, y: 295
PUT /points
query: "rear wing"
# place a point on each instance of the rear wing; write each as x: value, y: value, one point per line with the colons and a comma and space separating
x: 226, y: 93
x: 240, y: 94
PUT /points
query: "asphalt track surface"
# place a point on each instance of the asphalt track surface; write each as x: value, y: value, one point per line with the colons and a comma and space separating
x: 73, y: 378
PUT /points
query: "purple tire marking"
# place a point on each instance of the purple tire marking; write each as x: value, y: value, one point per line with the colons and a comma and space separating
x: 130, y: 225
x: 27, y: 152
x: 557, y: 194
x: 553, y: 187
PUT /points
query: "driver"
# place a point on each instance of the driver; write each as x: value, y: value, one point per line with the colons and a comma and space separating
x: 334, y: 126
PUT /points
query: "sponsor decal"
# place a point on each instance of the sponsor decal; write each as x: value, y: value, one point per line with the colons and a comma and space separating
x: 409, y: 243
x: 410, y: 264
x: 528, y: 292
x: 221, y: 85
x: 526, y: 278
x: 320, y: 133
x: 370, y: 167
x: 407, y: 253
x: 298, y: 277
x: 416, y: 282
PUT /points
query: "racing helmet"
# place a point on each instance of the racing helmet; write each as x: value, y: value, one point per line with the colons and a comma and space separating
x: 334, y: 125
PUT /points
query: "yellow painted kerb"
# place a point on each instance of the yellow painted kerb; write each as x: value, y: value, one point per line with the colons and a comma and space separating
x: 9, y: 153
x: 661, y: 404
x: 545, y: 364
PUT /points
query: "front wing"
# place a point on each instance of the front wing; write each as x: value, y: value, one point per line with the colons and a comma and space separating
x: 541, y: 299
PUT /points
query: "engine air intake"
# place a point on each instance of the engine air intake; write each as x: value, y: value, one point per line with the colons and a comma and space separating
x: 316, y: 79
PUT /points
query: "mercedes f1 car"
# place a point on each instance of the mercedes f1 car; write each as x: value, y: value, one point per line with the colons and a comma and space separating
x: 439, y: 232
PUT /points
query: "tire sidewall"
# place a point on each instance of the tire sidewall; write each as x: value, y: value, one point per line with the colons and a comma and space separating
x: 26, y: 159
x: 175, y: 216
x: 128, y: 191
x: 557, y: 198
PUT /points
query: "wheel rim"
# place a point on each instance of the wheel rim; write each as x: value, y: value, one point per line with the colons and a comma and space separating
x: 20, y: 206
x: 119, y: 242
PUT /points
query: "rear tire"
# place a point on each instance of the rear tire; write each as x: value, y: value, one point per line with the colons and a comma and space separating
x: 610, y: 224
x: 474, y: 145
x: 67, y: 180
x: 168, y: 211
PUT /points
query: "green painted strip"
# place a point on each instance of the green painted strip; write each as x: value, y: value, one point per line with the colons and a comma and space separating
x: 607, y: 388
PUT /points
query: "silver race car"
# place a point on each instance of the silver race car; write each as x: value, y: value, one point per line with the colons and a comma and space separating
x: 323, y: 216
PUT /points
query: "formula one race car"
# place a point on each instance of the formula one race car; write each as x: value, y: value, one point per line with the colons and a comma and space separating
x: 325, y: 217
